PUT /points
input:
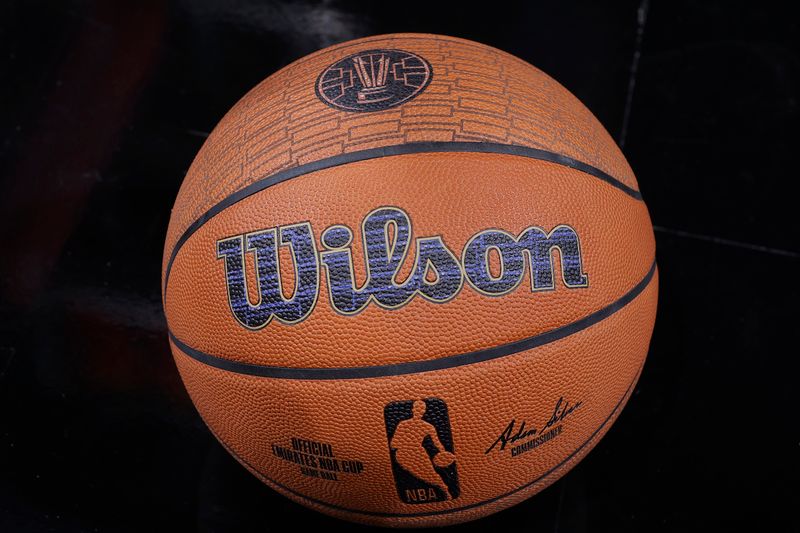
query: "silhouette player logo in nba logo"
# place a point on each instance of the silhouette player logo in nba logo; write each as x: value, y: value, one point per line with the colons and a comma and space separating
x: 421, y: 449
x: 373, y: 80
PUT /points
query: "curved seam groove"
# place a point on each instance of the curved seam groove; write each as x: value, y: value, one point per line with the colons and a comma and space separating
x: 415, y: 367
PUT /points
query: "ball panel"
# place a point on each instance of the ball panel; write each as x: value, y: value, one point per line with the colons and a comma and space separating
x: 452, y: 195
x: 595, y: 369
x: 477, y: 93
x: 456, y: 516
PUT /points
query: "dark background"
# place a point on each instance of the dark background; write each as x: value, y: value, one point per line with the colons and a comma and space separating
x: 104, y: 104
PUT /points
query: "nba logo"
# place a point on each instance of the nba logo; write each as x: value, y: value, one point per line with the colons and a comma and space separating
x: 421, y: 449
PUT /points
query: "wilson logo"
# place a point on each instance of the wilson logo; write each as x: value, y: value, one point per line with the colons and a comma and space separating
x: 437, y: 274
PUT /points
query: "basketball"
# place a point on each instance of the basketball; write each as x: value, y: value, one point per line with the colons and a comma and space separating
x: 409, y: 280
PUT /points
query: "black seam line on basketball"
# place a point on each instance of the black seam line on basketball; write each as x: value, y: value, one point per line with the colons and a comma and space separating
x: 416, y: 367
x: 387, y: 151
x: 614, y: 411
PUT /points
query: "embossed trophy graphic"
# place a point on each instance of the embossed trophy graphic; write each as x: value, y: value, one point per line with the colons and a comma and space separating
x: 372, y: 71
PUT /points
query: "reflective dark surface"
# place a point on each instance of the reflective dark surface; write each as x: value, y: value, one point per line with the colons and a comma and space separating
x: 104, y: 105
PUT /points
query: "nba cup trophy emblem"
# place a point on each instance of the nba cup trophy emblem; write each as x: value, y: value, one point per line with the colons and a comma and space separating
x: 373, y: 80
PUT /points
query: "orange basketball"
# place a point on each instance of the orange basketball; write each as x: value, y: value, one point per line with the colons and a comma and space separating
x: 409, y: 280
